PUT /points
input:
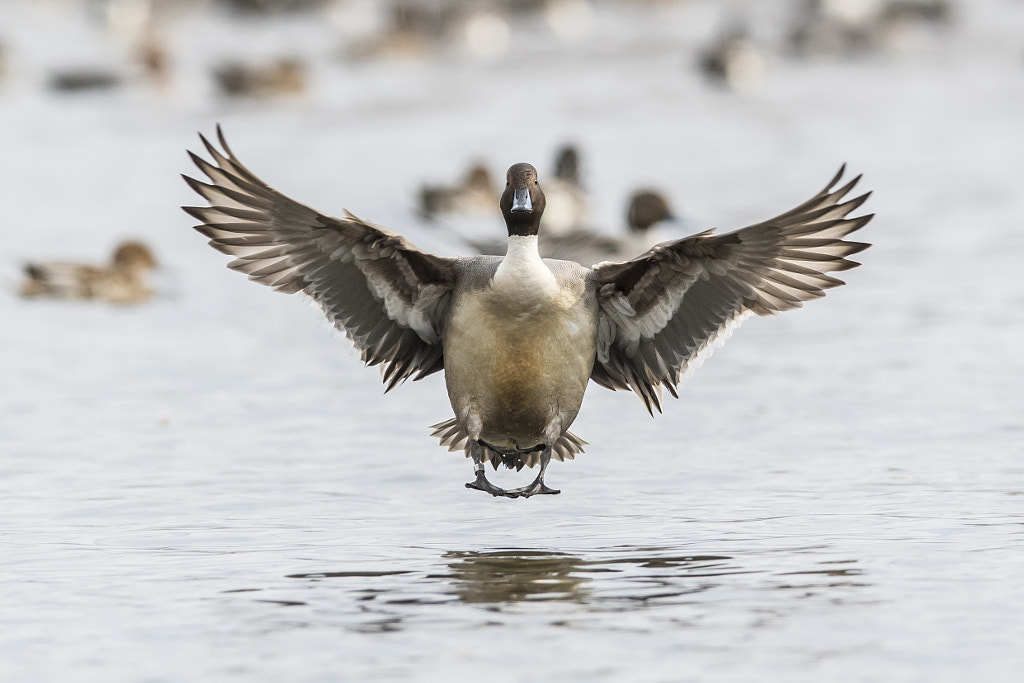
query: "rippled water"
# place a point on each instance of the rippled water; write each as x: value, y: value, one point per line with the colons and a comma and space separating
x: 210, y: 487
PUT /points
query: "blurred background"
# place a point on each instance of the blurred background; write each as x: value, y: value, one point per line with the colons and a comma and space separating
x: 198, y: 476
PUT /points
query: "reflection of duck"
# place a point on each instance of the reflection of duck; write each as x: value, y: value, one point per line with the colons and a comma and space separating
x: 520, y: 338
x: 121, y: 282
x: 517, y: 575
x: 284, y: 76
x: 474, y: 195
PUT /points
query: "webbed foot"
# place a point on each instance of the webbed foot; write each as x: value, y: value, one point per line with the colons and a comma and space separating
x: 537, y: 487
x: 481, y: 484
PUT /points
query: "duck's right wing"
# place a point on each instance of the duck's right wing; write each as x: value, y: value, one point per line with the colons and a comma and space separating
x: 387, y: 296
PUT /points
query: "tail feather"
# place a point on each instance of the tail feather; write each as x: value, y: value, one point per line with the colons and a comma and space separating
x: 452, y: 436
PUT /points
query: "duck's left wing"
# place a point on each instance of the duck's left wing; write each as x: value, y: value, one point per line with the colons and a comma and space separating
x: 664, y: 312
x: 387, y: 296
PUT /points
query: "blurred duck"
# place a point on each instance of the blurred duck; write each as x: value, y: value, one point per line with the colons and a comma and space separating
x: 833, y: 27
x: 647, y: 213
x: 121, y: 282
x: 934, y: 11
x: 83, y: 79
x: 734, y: 61
x: 413, y: 30
x: 152, y: 59
x: 849, y: 27
x: 285, y: 76
x: 567, y: 201
x: 270, y: 7
x: 910, y: 25
x: 475, y: 194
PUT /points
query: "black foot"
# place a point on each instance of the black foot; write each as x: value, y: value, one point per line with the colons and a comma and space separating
x: 533, y: 489
x: 481, y: 484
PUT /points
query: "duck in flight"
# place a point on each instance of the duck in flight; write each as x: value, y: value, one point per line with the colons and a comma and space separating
x: 520, y: 338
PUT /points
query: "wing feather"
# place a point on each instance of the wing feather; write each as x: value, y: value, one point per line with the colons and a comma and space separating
x: 665, y: 311
x: 387, y: 296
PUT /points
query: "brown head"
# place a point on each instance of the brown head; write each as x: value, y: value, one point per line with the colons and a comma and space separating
x: 479, y: 178
x: 647, y: 208
x: 133, y: 255
x: 522, y: 202
x: 567, y: 164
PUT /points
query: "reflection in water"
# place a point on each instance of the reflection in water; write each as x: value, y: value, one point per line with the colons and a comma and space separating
x: 514, y: 575
x: 609, y: 581
x: 502, y: 576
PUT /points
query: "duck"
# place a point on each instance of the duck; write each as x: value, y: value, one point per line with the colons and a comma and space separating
x: 568, y: 206
x: 123, y: 281
x: 475, y: 194
x: 734, y: 60
x: 281, y: 77
x: 834, y: 28
x: 520, y: 338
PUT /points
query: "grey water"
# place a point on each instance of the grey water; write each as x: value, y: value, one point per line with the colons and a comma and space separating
x: 211, y: 487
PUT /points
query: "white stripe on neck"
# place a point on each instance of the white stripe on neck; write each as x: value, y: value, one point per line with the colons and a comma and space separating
x: 522, y: 272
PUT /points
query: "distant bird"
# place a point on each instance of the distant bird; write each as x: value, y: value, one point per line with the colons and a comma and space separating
x: 123, y: 281
x: 152, y: 58
x: 413, y: 29
x: 568, y: 207
x: 834, y: 27
x: 475, y: 194
x: 284, y: 76
x: 84, y: 79
x: 519, y: 338
x: 850, y: 27
x: 934, y: 11
x: 269, y: 7
x: 734, y: 60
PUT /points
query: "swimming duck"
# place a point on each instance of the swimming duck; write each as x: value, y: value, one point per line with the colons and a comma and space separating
x: 567, y: 200
x: 520, y: 338
x: 475, y: 194
x: 121, y: 282
x: 284, y: 76
x: 734, y: 60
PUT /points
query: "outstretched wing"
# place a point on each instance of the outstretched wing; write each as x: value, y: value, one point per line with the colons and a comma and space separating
x: 665, y: 311
x: 388, y: 297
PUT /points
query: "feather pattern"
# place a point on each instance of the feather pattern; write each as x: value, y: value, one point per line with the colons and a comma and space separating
x: 664, y: 312
x: 387, y: 296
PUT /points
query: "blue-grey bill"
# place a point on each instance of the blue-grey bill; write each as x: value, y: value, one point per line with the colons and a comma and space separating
x: 521, y: 200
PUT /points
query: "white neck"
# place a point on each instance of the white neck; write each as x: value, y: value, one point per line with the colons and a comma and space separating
x: 522, y: 273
